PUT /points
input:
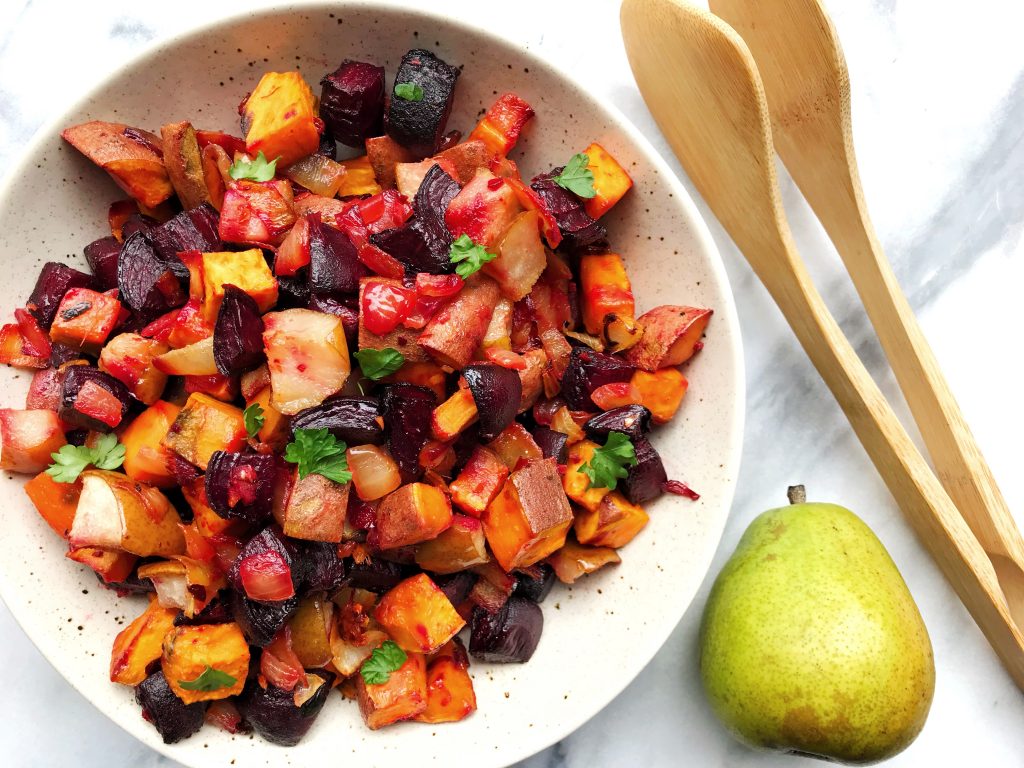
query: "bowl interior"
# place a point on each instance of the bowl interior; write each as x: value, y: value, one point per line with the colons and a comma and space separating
x: 600, y: 632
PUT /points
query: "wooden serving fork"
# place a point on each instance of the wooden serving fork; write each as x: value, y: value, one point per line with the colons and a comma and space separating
x: 703, y: 88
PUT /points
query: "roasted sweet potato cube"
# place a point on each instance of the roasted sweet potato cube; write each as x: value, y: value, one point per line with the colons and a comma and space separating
x: 384, y: 153
x: 514, y: 445
x: 189, y: 651
x: 661, y: 392
x: 424, y: 374
x: 575, y: 560
x: 279, y: 118
x: 111, y: 565
x: 418, y: 616
x: 450, y: 695
x: 307, y: 355
x: 27, y: 438
x: 274, y: 431
x: 146, y: 458
x: 613, y: 524
x: 671, y: 335
x: 128, y: 357
x: 605, y: 290
x: 453, y: 415
x: 415, y: 512
x: 576, y: 484
x: 140, y: 644
x: 479, y: 481
x: 247, y: 270
x: 463, y: 545
x: 453, y: 335
x: 205, y: 425
x: 184, y: 163
x: 402, y: 697
x: 501, y: 125
x: 215, y: 385
x: 118, y: 513
x: 611, y: 182
x: 85, y: 319
x: 55, y: 502
x: 128, y: 155
x: 316, y: 508
x: 529, y: 518
x: 358, y: 178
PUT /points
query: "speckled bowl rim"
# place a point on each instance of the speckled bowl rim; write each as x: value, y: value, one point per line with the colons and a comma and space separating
x: 651, y: 642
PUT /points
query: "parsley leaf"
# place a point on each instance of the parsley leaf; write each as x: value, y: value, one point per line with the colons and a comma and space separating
x: 71, y: 460
x: 409, y: 91
x: 469, y: 256
x: 576, y: 177
x: 610, y: 462
x: 384, y: 660
x: 210, y: 679
x: 318, y: 452
x: 259, y: 169
x: 378, y: 363
x: 252, y: 416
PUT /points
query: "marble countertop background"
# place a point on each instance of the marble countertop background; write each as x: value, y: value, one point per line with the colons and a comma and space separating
x: 938, y: 97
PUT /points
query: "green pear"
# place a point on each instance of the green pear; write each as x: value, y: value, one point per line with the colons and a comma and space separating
x: 810, y: 641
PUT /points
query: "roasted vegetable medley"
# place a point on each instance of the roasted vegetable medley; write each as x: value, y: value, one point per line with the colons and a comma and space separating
x: 327, y: 414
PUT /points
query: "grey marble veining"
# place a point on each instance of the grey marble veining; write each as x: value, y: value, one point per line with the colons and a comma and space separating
x: 938, y: 92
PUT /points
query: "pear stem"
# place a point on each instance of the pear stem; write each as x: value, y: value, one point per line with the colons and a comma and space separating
x: 797, y: 494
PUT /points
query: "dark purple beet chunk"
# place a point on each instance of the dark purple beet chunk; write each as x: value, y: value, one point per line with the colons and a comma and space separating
x: 552, y: 444
x: 193, y: 230
x: 102, y: 257
x: 247, y: 479
x: 352, y: 419
x: 147, y: 284
x: 270, y: 538
x: 634, y: 421
x: 496, y: 392
x: 174, y: 719
x: 508, y: 636
x: 349, y: 315
x: 261, y: 621
x: 406, y: 244
x: 352, y: 102
x: 55, y: 279
x: 435, y: 193
x: 216, y: 612
x: 534, y: 583
x: 273, y: 715
x: 644, y: 480
x: 137, y: 222
x: 419, y: 125
x: 328, y: 146
x: 578, y: 229
x: 456, y: 586
x: 293, y: 292
x: 334, y: 265
x: 324, y: 570
x: 376, y: 575
x: 588, y: 370
x: 132, y: 585
x: 238, y: 332
x: 76, y: 377
x: 407, y: 409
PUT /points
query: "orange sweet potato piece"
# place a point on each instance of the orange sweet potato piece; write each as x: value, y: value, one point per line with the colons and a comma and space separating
x: 128, y: 357
x: 501, y: 125
x: 279, y: 118
x: 207, y: 522
x: 384, y: 153
x: 576, y: 484
x: 146, y: 458
x: 479, y: 481
x: 453, y: 335
x: 55, y: 502
x: 133, y: 164
x: 140, y: 644
x: 111, y: 565
x: 27, y: 438
x: 205, y: 425
x: 661, y: 392
x: 671, y: 335
x: 529, y: 518
x: 613, y: 524
x: 415, y: 512
x: 424, y: 374
x: 605, y: 290
x: 85, y: 319
x: 450, y: 695
x: 11, y: 351
x: 453, y: 415
x: 188, y: 651
x: 611, y: 181
x: 463, y: 545
x: 402, y: 697
x: 247, y: 270
x: 184, y: 163
x: 418, y: 615
x: 216, y: 173
x: 575, y: 560
x: 358, y: 178
x: 274, y: 431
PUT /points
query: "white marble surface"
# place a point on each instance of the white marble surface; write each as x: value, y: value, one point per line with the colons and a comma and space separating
x: 938, y: 94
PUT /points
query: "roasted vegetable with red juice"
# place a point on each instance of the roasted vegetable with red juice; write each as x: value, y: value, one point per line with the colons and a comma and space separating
x: 419, y: 123
x: 352, y: 102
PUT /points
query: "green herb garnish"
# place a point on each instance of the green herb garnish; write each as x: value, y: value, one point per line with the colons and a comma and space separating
x: 259, y: 169
x: 576, y: 177
x: 209, y: 680
x: 469, y: 256
x: 253, y: 418
x: 384, y: 660
x: 409, y: 91
x: 71, y: 460
x: 378, y: 363
x: 610, y: 462
x: 318, y: 452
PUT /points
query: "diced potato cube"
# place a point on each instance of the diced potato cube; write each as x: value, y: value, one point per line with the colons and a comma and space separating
x: 450, y: 694
x: 415, y: 512
x: 28, y: 437
x: 576, y: 484
x: 529, y: 518
x: 521, y: 257
x: 453, y: 415
x: 611, y: 181
x: 195, y: 359
x: 316, y: 509
x: 279, y: 118
x: 307, y: 355
x: 418, y: 615
x: 605, y: 290
x: 133, y: 164
x: 613, y: 524
x: 190, y: 651
x: 661, y: 392
x: 479, y: 481
x: 205, y: 425
x: 55, y: 502
x: 671, y: 336
x: 409, y: 176
x: 515, y: 444
x: 463, y: 545
x: 575, y: 560
x: 140, y: 644
x: 146, y: 458
x: 128, y: 357
x: 402, y: 697
x: 483, y: 209
x: 85, y: 319
x: 184, y: 163
x: 247, y: 270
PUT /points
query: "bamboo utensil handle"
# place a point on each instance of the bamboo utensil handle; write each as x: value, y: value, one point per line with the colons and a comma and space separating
x: 701, y: 84
x: 806, y: 80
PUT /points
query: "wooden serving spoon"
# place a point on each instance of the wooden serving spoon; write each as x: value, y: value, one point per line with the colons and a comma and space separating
x: 808, y: 86
x: 702, y: 86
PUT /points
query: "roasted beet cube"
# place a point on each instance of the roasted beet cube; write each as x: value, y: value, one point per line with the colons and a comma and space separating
x: 238, y: 333
x: 634, y: 421
x: 192, y: 230
x: 102, y: 256
x: 273, y: 715
x: 261, y: 621
x: 334, y: 265
x: 174, y: 719
x: 578, y: 229
x: 552, y: 443
x: 92, y: 399
x: 293, y: 292
x: 407, y: 244
x: 376, y: 575
x: 147, y: 284
x: 351, y: 419
x: 280, y: 549
x: 324, y: 570
x: 435, y: 192
x: 55, y: 279
x: 497, y: 392
x: 240, y: 486
x: 352, y: 102
x: 588, y: 370
x: 535, y: 582
x: 645, y: 478
x: 508, y: 636
x: 419, y: 123
x: 407, y: 410
x: 456, y: 586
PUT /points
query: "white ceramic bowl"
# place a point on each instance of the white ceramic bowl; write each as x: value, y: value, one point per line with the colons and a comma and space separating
x: 598, y: 634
